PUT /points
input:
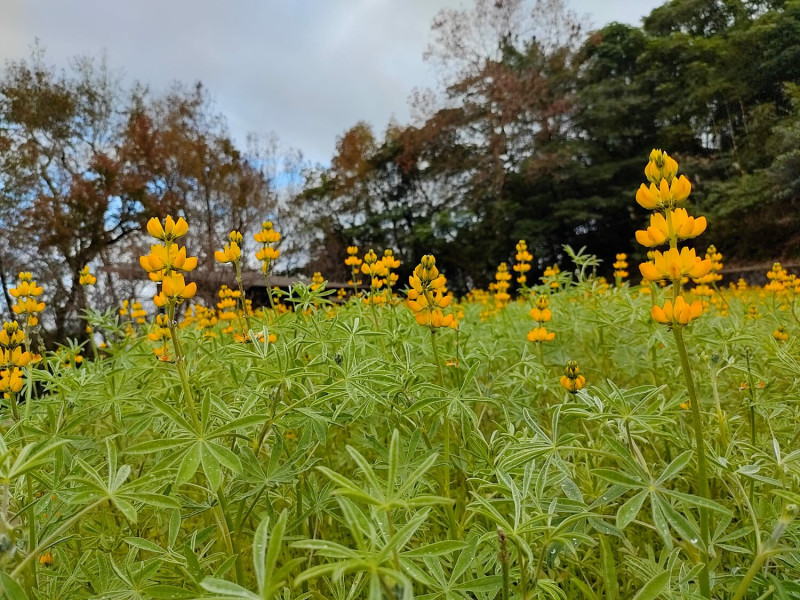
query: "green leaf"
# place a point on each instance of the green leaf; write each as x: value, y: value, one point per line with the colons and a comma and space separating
x: 260, y: 551
x: 699, y: 501
x: 435, y: 549
x: 628, y: 511
x: 227, y: 589
x: 126, y: 508
x: 144, y: 544
x: 271, y: 558
x: 174, y: 527
x: 618, y: 478
x: 224, y: 456
x: 10, y: 588
x: 155, y: 446
x: 211, y: 467
x: 679, y: 523
x: 608, y: 561
x: 654, y: 587
x: 240, y: 423
x: 348, y: 488
x: 675, y: 467
x: 417, y: 474
x: 168, y: 592
x: 481, y: 585
x: 394, y: 461
x: 173, y: 415
x: 189, y: 464
x: 159, y: 500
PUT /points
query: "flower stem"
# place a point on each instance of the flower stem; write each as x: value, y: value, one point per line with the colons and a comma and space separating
x: 503, y: 558
x: 702, y: 475
x: 12, y: 400
x: 436, y: 357
x: 242, y: 299
x: 227, y: 530
x: 179, y: 360
x: 269, y: 289
x: 31, y: 528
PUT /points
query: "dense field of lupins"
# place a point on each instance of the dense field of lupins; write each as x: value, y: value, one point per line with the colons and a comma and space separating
x: 555, y: 436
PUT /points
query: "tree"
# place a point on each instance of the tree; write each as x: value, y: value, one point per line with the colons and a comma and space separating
x: 84, y: 164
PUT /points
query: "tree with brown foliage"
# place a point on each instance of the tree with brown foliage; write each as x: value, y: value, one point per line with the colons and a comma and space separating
x: 83, y: 164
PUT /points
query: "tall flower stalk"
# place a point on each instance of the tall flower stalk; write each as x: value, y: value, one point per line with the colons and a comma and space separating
x: 86, y: 280
x: 427, y: 299
x: 268, y: 253
x: 232, y: 253
x: 672, y: 225
x: 166, y: 264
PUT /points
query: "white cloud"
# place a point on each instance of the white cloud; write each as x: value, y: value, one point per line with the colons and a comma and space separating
x: 305, y: 69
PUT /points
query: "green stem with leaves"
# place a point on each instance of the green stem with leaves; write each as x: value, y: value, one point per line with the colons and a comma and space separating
x: 227, y: 523
x: 50, y: 539
x: 700, y: 449
x: 179, y: 363
x: 242, y: 300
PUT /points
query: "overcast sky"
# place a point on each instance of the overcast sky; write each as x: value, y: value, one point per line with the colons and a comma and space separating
x: 305, y: 69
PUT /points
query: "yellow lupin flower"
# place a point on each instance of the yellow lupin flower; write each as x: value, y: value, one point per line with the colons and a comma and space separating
x: 13, y: 358
x: 374, y: 268
x: 780, y: 334
x: 138, y: 313
x: 501, y: 285
x: 572, y: 380
x: 427, y: 296
x: 28, y: 306
x: 714, y: 274
x: 541, y: 312
x: 540, y: 334
x: 675, y: 264
x: 316, y: 281
x: 671, y: 225
x: 267, y: 235
x: 169, y: 231
x: 352, y: 259
x: 46, y: 559
x: 664, y: 196
x: 660, y: 166
x: 523, y: 264
x: 681, y: 313
x: 229, y: 254
x: 174, y: 289
x: 620, y: 267
x: 85, y: 277
x: 354, y: 262
x: 268, y: 253
x: 550, y: 276
x: 390, y: 262
x: 683, y: 226
x: 164, y: 259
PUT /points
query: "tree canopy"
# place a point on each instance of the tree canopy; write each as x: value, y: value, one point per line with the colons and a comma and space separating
x: 539, y: 133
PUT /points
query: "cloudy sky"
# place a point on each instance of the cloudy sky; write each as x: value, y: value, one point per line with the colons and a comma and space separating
x: 305, y: 69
